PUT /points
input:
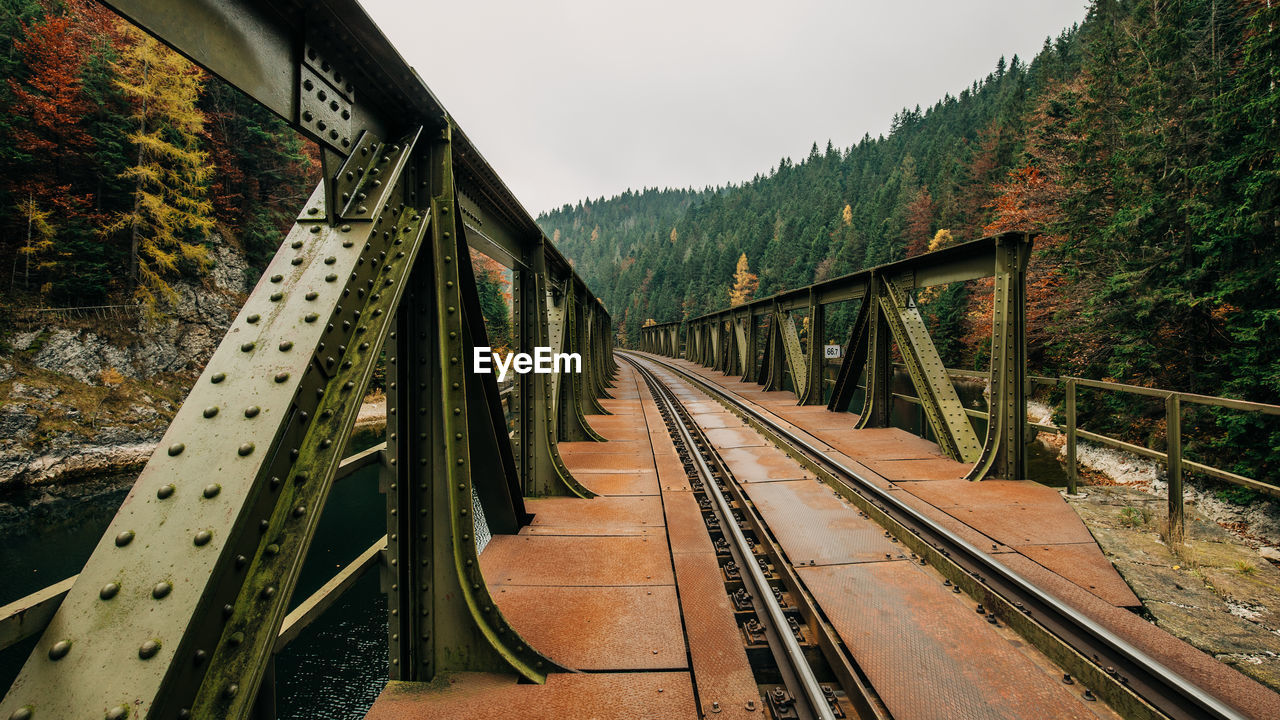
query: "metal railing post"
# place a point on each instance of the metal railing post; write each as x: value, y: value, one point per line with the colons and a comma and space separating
x: 1173, y: 435
x: 1072, y: 469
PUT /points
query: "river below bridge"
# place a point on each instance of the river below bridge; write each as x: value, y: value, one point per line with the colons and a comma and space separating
x: 336, y: 667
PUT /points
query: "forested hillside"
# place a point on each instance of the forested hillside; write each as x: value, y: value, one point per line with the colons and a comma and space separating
x: 121, y: 163
x: 1142, y: 146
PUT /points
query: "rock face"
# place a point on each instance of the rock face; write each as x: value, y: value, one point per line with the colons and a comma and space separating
x: 67, y: 406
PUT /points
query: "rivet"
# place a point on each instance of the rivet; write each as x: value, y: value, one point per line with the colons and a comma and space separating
x: 109, y: 590
x: 161, y: 590
x: 217, y: 378
x: 330, y: 277
x: 146, y: 651
x: 286, y: 346
x: 211, y: 491
x: 176, y: 449
x: 124, y: 538
x: 227, y: 612
x: 300, y: 478
x: 330, y: 260
x: 164, y: 491
x: 346, y: 228
x: 315, y: 229
x: 23, y: 713
x: 202, y: 538
x: 231, y: 690
x: 312, y: 295
x: 211, y: 411
x: 312, y: 211
x: 280, y: 377
x: 252, y: 318
x: 252, y: 411
x: 300, y: 511
x: 273, y: 549
x: 276, y: 297
x: 311, y: 317
x: 268, y: 591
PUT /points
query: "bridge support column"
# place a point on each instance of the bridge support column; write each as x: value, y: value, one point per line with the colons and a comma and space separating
x: 813, y: 390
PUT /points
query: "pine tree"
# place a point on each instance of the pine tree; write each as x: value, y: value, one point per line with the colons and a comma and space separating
x: 171, y: 215
x: 745, y: 283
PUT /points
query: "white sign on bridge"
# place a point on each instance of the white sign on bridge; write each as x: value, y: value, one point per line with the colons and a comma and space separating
x: 832, y: 351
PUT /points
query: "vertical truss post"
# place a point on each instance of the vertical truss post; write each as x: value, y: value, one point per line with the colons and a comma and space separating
x: 793, y: 355
x: 812, y: 393
x: 1004, y: 454
x: 877, y: 400
x: 854, y: 361
x: 750, y: 366
x: 1173, y: 449
x: 775, y: 353
x: 571, y: 422
x: 451, y: 478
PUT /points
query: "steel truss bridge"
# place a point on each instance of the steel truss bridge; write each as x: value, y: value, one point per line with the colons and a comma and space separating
x: 703, y: 442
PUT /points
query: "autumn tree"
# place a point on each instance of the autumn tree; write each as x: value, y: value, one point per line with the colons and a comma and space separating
x: 171, y: 215
x: 745, y: 283
x: 39, y: 245
x: 494, y: 289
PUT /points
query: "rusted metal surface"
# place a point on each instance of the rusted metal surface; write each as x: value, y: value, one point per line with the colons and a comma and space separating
x: 725, y: 685
x: 614, y: 483
x: 599, y: 628
x: 1086, y: 566
x: 685, y: 527
x: 671, y: 474
x: 484, y: 696
x: 573, y: 450
x: 915, y: 470
x: 575, y: 560
x: 882, y: 444
x: 1238, y: 690
x: 598, y: 516
x: 926, y: 651
x: 815, y: 527
x: 725, y: 438
x: 763, y: 464
x: 1014, y: 512
x: 724, y: 419
x: 603, y: 462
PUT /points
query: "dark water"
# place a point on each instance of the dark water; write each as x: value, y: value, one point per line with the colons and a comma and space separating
x: 335, y: 668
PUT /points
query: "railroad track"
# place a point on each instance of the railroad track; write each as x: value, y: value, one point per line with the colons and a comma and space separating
x: 1132, y: 682
x: 807, y: 685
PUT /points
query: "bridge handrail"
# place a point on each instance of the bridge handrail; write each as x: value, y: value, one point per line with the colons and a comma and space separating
x: 31, y: 614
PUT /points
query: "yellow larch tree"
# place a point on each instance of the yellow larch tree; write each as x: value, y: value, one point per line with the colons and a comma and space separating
x: 745, y: 283
x: 172, y: 214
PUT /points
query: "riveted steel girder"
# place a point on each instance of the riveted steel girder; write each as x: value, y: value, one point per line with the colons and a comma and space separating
x: 1004, y: 453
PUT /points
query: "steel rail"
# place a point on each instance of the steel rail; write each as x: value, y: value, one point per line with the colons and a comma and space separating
x: 1170, y: 692
x: 794, y: 653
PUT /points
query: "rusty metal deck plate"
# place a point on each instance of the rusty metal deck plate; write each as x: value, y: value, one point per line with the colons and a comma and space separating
x: 926, y: 651
x: 485, y: 696
x: 763, y: 464
x: 599, y: 628
x: 671, y: 473
x: 1014, y: 512
x: 1086, y: 566
x: 881, y: 444
x: 686, y: 529
x: 726, y: 438
x: 816, y: 527
x: 725, y: 419
x: 638, y: 446
x: 576, y: 560
x: 818, y: 417
x: 602, y: 462
x: 720, y: 669
x: 912, y: 470
x: 968, y: 534
x: 597, y: 516
x: 603, y: 482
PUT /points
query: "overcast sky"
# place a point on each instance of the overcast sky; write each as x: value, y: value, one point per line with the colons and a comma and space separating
x: 569, y: 99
